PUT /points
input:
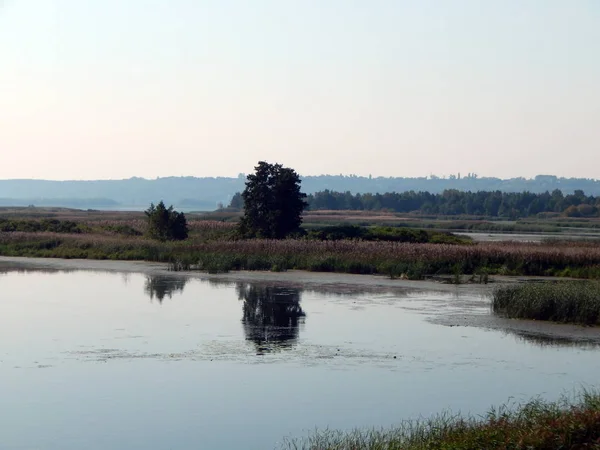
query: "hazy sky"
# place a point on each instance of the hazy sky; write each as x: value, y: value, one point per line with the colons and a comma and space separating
x: 120, y: 88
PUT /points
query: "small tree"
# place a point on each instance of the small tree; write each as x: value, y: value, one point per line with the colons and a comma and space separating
x: 273, y: 203
x: 166, y: 224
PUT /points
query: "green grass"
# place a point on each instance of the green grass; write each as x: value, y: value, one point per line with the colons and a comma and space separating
x: 567, y: 302
x: 537, y: 424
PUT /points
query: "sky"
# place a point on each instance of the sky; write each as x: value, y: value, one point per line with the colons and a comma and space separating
x: 112, y: 89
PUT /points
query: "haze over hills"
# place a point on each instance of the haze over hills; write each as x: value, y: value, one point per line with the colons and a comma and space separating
x: 191, y: 193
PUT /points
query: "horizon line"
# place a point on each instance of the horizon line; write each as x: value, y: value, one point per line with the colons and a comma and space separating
x: 430, y: 177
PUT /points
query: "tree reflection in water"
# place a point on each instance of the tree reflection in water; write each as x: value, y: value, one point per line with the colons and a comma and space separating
x: 161, y: 286
x: 272, y: 316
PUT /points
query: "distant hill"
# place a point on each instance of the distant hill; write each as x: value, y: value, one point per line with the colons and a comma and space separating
x: 191, y: 193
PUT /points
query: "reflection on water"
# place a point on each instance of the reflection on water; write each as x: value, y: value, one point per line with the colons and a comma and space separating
x: 161, y: 286
x: 272, y: 316
x: 544, y: 340
x: 369, y: 358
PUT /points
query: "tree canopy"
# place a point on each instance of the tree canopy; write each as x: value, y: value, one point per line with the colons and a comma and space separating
x: 273, y: 202
x: 166, y: 224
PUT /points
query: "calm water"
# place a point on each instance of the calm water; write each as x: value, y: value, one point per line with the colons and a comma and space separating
x: 109, y: 361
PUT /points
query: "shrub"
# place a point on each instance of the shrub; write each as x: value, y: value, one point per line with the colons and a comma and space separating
x: 166, y: 224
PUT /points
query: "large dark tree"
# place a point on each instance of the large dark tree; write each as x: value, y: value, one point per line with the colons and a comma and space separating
x: 166, y: 224
x: 273, y: 203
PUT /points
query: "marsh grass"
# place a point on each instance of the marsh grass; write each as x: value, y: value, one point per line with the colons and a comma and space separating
x: 381, y: 233
x: 569, y: 423
x: 567, y: 301
x: 394, y: 259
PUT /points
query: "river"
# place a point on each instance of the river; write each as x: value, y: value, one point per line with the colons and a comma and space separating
x: 124, y: 360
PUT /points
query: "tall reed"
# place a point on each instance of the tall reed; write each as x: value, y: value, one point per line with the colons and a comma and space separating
x: 413, y: 260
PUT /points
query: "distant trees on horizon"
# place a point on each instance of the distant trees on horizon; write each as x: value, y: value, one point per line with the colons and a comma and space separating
x: 455, y: 202
x: 203, y: 194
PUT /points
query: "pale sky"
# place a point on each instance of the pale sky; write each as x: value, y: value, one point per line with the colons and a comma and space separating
x: 108, y: 89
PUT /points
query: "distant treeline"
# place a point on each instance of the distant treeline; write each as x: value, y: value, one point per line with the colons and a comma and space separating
x: 454, y: 202
x: 191, y: 193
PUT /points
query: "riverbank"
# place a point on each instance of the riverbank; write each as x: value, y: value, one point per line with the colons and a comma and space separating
x: 393, y: 259
x: 291, y: 277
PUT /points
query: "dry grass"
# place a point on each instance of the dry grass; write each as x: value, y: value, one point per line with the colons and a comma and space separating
x: 390, y: 258
x: 212, y: 245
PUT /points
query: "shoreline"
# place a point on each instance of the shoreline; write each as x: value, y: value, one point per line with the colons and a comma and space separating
x: 289, y: 276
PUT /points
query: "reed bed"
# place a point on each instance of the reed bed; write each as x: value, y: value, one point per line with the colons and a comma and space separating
x: 537, y: 424
x: 83, y: 246
x: 411, y: 260
x: 567, y: 302
x: 396, y: 259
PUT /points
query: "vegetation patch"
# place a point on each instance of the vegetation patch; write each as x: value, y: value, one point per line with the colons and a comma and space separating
x: 122, y: 229
x: 378, y: 233
x: 537, y: 424
x: 49, y: 225
x: 394, y: 259
x: 568, y: 302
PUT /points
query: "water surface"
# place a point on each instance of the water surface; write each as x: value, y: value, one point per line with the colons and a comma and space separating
x: 101, y: 360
